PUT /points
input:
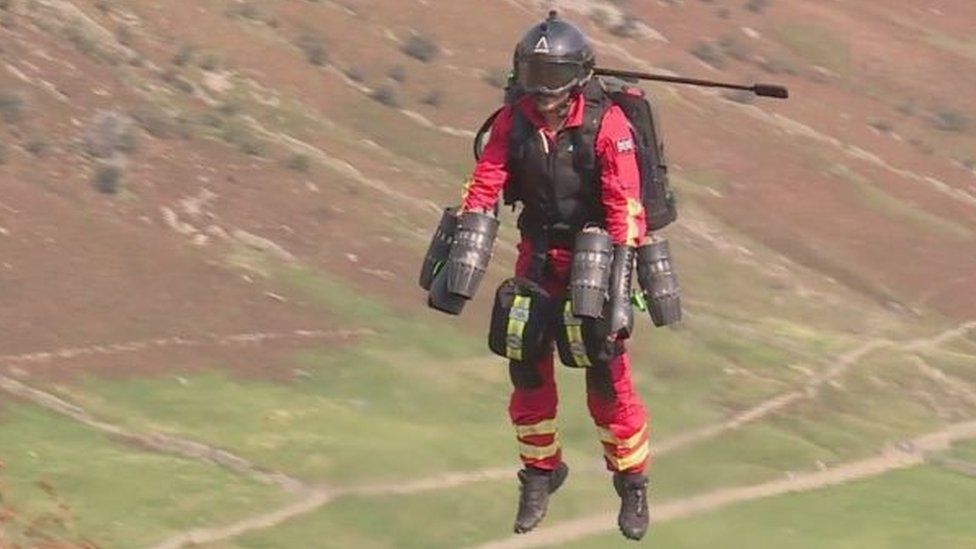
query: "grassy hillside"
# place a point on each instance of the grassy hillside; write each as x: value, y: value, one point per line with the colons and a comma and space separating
x: 214, y: 212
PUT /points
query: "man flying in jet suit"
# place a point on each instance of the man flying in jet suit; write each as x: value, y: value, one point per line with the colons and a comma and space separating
x: 554, y: 65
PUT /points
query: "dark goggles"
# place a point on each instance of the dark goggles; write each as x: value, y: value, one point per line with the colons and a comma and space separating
x: 546, y: 77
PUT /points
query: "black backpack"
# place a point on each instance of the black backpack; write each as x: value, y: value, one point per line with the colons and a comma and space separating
x: 656, y: 193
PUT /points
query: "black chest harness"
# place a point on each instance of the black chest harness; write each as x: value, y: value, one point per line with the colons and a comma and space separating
x: 558, y: 182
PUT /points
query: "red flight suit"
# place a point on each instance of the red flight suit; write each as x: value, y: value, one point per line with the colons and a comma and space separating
x: 619, y: 414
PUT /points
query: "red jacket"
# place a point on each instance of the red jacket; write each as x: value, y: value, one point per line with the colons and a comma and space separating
x: 615, y: 152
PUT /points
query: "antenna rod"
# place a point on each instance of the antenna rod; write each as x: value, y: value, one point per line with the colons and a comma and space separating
x: 763, y: 90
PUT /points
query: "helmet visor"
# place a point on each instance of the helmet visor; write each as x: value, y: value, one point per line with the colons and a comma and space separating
x: 547, y: 77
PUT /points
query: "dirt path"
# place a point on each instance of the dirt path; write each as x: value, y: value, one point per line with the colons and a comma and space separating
x: 890, y: 460
x: 316, y: 499
x: 841, y: 365
x: 178, y: 341
x: 158, y: 442
x: 836, y: 370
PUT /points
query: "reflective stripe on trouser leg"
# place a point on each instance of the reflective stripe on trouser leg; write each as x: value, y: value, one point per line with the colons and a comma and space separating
x: 532, y: 410
x: 622, y: 419
x: 625, y: 454
x: 538, y: 442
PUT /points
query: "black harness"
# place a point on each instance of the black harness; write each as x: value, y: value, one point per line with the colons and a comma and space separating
x: 557, y: 182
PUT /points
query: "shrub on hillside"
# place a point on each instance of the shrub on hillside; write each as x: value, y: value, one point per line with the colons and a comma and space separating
x: 600, y: 16
x: 108, y: 133
x: 245, y: 10
x: 709, y: 53
x: 397, y: 73
x: 882, y: 126
x: 210, y: 61
x: 778, y: 65
x: 434, y: 98
x: 757, y: 6
x: 13, y: 106
x: 355, y: 74
x: 184, y: 55
x: 107, y: 178
x: 734, y: 48
x: 627, y: 27
x: 3, y: 154
x: 385, y: 95
x: 313, y: 47
x: 37, y: 145
x: 243, y: 137
x: 421, y: 48
x: 299, y: 163
x: 950, y: 120
x: 154, y: 120
x: 125, y: 36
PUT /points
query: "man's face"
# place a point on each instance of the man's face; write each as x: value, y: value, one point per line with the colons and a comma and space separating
x: 551, y: 104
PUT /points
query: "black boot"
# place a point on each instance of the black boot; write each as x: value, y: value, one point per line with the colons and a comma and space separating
x: 536, y: 485
x: 633, y: 518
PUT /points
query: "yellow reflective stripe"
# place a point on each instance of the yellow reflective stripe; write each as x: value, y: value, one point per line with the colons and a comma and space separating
x: 574, y: 333
x: 517, y: 319
x: 467, y: 190
x: 607, y: 436
x: 634, y: 210
x: 545, y: 427
x: 538, y: 452
x: 631, y: 460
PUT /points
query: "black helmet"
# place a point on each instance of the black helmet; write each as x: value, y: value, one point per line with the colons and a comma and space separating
x: 553, y: 57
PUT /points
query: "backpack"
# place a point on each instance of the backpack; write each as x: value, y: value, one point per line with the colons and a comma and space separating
x: 657, y: 196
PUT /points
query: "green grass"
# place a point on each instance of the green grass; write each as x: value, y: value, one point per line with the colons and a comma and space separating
x: 457, y: 517
x: 965, y: 451
x: 752, y: 454
x: 872, y: 196
x: 113, y: 495
x: 355, y: 416
x: 956, y: 364
x: 482, y: 512
x: 407, y: 138
x: 443, y: 340
x: 882, y: 400
x: 816, y: 44
x: 920, y: 507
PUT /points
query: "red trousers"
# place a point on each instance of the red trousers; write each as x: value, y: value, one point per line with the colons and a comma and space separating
x: 615, y: 407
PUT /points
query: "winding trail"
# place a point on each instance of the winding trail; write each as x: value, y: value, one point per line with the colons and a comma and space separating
x: 162, y: 443
x: 836, y: 370
x: 313, y: 497
x: 890, y: 459
x: 179, y: 341
x: 779, y: 402
x: 318, y: 498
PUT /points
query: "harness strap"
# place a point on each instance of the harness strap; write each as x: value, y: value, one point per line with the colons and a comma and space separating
x: 540, y: 256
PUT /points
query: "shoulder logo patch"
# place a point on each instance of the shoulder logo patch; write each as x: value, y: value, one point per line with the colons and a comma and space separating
x: 625, y: 145
x: 542, y: 46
